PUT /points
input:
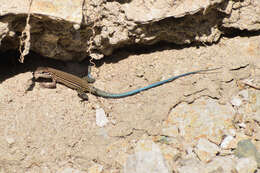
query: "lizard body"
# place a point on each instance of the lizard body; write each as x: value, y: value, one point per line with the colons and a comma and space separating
x: 82, y: 86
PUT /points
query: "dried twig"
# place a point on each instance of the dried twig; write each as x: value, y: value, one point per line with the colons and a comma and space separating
x: 24, y: 47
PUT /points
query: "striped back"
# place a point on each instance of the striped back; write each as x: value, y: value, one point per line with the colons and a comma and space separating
x: 69, y: 80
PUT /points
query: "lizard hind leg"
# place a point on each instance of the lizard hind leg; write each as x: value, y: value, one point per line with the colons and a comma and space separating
x: 89, y: 78
x: 82, y: 94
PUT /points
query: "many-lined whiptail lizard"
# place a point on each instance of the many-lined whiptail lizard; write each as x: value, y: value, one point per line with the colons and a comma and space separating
x: 82, y: 86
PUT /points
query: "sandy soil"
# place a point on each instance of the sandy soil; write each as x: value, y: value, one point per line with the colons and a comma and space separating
x: 46, y: 130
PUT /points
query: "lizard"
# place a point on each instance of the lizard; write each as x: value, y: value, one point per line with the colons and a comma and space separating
x: 82, y: 86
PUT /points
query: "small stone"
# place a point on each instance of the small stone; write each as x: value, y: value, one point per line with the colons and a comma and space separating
x: 246, y: 149
x: 10, y: 140
x: 11, y: 33
x: 228, y: 142
x: 101, y: 118
x: 236, y: 101
x: 245, y: 165
x: 242, y: 125
x: 206, y: 150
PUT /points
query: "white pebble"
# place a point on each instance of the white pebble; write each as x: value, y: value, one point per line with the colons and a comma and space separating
x: 225, y: 143
x: 10, y: 140
x: 236, y: 101
x: 101, y: 118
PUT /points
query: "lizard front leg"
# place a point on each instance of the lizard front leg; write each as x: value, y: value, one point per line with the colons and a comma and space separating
x: 82, y: 94
x: 40, y: 74
x: 49, y: 85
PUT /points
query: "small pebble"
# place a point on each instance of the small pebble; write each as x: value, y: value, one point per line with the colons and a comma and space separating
x: 226, y: 142
x: 236, y: 101
x: 101, y: 118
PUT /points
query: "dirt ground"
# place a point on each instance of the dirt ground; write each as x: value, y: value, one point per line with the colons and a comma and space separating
x: 50, y: 130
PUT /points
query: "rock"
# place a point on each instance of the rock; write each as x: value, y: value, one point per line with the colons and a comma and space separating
x: 246, y: 148
x: 228, y: 142
x: 76, y: 29
x: 239, y: 19
x: 147, y: 158
x: 202, y: 118
x: 241, y: 97
x: 236, y: 101
x: 161, y: 9
x: 101, y: 118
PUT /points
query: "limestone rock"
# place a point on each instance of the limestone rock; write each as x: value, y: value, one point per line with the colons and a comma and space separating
x: 72, y: 30
x: 213, y: 122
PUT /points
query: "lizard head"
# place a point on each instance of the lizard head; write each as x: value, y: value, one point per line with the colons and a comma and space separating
x: 41, y: 72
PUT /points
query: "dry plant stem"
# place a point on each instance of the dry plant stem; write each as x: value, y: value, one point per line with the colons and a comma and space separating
x: 24, y: 47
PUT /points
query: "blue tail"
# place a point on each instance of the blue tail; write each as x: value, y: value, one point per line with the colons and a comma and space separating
x: 105, y: 94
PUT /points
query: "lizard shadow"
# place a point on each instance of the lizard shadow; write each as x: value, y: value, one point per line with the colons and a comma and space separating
x: 10, y: 65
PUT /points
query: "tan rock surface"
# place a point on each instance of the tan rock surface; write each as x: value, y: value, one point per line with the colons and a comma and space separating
x: 72, y: 30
